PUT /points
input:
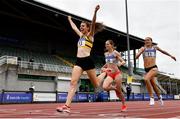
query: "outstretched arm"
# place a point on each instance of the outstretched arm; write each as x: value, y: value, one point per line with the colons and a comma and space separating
x: 74, y: 27
x: 141, y: 50
x: 166, y: 53
x: 92, y: 28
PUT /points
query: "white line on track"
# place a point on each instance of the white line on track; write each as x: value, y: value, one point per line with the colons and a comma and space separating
x: 161, y: 113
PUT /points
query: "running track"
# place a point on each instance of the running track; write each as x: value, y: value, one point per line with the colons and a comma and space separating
x: 136, y: 109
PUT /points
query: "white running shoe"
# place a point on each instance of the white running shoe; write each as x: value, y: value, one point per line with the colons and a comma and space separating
x: 151, y: 103
x: 161, y: 100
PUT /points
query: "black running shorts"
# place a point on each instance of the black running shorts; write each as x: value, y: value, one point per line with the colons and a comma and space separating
x: 86, y: 63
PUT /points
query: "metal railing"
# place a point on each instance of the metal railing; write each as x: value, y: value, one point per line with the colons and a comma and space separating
x: 36, y: 66
x: 8, y: 60
x: 44, y: 67
x: 2, y: 60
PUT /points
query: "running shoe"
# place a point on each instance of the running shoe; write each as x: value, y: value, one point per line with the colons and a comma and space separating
x: 63, y: 108
x: 124, y: 108
x: 161, y: 100
x: 151, y: 103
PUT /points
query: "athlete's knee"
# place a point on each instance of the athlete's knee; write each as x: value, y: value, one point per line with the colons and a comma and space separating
x: 106, y: 88
x: 73, y: 83
x: 146, y: 79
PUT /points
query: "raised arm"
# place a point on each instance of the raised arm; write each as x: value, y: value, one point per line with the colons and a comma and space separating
x: 92, y: 28
x: 141, y: 50
x: 74, y: 27
x: 166, y: 53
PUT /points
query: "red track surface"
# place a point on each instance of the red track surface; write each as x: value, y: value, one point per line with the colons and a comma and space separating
x: 136, y: 109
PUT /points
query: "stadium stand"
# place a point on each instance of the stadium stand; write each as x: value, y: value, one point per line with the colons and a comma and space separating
x: 25, y: 55
x: 67, y: 61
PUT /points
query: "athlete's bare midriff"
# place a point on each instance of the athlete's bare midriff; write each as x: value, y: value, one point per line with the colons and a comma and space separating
x: 149, y: 62
x: 112, y: 67
x: 83, y: 52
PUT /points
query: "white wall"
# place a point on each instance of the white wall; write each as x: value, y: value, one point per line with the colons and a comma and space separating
x: 63, y: 85
x: 136, y: 88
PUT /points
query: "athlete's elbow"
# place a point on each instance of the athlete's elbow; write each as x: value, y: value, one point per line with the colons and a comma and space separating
x: 123, y: 63
x: 136, y: 57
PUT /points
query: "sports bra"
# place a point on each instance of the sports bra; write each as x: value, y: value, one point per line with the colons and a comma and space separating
x: 85, y: 42
x: 149, y: 52
x: 111, y: 58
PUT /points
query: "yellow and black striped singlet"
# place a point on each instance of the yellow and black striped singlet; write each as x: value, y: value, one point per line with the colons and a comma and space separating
x: 85, y: 42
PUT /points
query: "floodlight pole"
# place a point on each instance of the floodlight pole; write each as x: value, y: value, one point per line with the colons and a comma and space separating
x: 128, y: 43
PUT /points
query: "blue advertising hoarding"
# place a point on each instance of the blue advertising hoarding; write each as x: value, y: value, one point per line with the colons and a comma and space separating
x: 0, y: 97
x: 26, y: 97
x: 155, y: 97
x: 17, y: 97
x: 105, y: 96
x: 102, y: 96
x: 131, y: 97
x: 146, y: 97
x: 91, y: 97
x: 138, y: 96
x: 61, y: 97
x: 82, y: 97
x: 170, y: 97
x: 164, y: 97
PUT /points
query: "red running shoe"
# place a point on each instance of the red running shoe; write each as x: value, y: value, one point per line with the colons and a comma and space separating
x: 124, y: 108
x: 63, y: 108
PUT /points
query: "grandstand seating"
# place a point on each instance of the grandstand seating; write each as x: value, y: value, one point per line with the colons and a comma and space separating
x: 71, y: 61
x: 99, y: 60
x: 26, y: 56
x: 67, y: 62
x: 42, y: 58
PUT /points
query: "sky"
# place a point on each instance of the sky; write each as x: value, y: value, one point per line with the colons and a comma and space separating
x: 159, y: 19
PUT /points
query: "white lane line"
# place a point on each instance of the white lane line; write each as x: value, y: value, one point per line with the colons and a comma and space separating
x: 111, y: 115
x: 155, y: 114
x: 7, y: 110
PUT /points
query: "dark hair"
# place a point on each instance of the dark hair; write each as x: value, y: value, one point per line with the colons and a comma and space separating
x: 98, y: 26
x: 149, y: 38
x: 87, y: 23
x: 112, y: 43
